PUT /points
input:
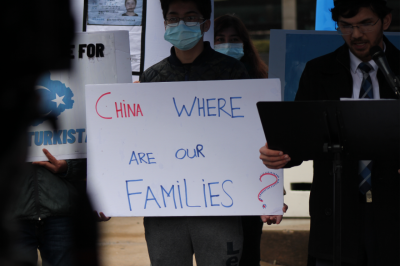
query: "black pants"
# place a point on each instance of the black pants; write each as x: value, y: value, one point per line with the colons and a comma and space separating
x: 367, y: 250
x: 53, y: 236
x: 215, y: 240
x: 252, y: 230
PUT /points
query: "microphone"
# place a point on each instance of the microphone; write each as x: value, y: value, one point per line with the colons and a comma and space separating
x: 380, y: 59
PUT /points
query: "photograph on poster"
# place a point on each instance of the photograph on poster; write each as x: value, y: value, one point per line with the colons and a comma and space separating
x: 115, y: 12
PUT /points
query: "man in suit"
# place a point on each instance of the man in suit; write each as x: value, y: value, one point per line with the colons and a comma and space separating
x: 370, y: 190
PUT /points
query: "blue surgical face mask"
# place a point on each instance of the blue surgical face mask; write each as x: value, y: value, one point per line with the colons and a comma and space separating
x: 234, y: 50
x: 183, y: 37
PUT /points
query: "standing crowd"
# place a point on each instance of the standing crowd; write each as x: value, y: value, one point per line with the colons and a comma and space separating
x: 49, y: 192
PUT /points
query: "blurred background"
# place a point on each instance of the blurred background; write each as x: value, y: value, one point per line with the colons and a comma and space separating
x: 260, y: 16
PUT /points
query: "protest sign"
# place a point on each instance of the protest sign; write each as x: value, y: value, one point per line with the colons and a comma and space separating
x: 180, y: 149
x: 96, y: 58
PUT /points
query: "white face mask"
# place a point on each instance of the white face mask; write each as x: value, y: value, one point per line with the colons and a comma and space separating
x: 234, y: 50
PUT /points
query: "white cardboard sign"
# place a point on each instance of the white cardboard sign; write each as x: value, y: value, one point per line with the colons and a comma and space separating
x: 96, y: 58
x: 180, y: 149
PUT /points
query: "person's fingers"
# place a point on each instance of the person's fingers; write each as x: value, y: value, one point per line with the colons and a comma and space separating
x: 275, y: 165
x: 283, y: 158
x: 273, y: 159
x: 278, y: 219
x: 268, y: 219
x: 101, y: 217
x: 49, y: 166
x: 49, y: 156
x: 278, y: 163
x: 399, y: 171
x: 104, y: 217
x: 285, y: 207
x: 264, y: 218
x: 136, y: 81
x: 267, y: 152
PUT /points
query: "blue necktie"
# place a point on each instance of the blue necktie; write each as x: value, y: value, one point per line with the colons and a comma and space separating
x: 365, y: 176
x: 366, y: 85
x: 365, y: 92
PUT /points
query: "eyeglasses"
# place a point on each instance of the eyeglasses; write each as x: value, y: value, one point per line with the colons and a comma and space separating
x: 363, y: 28
x: 190, y: 21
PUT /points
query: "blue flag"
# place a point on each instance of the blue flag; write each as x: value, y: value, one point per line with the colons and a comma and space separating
x: 323, y: 17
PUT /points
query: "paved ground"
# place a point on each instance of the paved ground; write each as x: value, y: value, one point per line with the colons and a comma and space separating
x: 122, y: 241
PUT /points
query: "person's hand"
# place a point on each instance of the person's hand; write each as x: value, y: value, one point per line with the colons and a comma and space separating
x: 136, y: 81
x: 101, y: 217
x: 53, y: 165
x: 273, y: 159
x: 271, y: 219
x: 274, y: 219
x: 285, y: 208
x: 398, y: 171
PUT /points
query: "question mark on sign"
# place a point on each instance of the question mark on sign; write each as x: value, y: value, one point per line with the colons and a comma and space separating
x: 269, y: 186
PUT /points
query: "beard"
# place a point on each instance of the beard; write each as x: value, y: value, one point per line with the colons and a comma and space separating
x: 360, y: 47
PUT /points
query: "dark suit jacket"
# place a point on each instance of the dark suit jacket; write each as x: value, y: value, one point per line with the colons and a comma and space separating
x: 328, y: 78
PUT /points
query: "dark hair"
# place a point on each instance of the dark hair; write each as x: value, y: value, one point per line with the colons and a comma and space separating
x: 134, y: 0
x: 350, y: 8
x: 258, y: 69
x: 204, y: 6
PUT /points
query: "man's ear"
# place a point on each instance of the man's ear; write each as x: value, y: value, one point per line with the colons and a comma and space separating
x: 386, y: 21
x: 206, y: 25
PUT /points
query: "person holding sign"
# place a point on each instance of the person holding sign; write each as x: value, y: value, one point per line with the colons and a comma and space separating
x: 215, y: 240
x: 232, y: 38
x: 369, y: 188
x: 45, y: 206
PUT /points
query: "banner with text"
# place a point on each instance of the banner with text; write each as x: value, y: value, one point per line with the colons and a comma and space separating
x: 180, y: 149
x: 96, y: 58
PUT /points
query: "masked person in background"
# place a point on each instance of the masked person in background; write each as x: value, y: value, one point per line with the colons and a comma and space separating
x: 232, y: 38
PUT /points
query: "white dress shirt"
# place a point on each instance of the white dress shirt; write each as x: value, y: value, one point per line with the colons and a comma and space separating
x: 358, y: 76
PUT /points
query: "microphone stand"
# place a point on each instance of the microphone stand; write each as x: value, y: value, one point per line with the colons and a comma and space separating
x: 397, y: 86
x: 336, y: 148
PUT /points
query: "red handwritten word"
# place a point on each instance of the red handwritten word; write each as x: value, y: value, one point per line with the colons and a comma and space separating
x: 135, y: 110
x: 124, y: 110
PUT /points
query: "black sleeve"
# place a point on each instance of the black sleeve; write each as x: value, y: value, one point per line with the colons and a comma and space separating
x: 303, y: 94
x: 76, y: 170
x: 143, y: 77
